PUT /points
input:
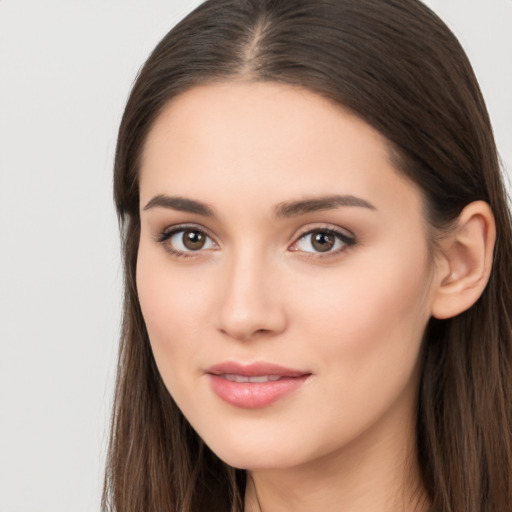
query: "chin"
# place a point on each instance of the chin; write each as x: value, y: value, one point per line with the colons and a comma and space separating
x: 256, y: 455
x: 256, y: 461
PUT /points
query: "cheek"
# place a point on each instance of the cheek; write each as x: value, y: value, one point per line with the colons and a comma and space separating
x: 369, y: 318
x: 171, y: 311
x: 365, y: 329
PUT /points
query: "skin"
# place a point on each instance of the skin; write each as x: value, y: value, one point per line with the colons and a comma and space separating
x: 353, y: 318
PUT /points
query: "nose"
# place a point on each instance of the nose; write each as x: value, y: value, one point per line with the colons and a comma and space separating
x: 250, y: 305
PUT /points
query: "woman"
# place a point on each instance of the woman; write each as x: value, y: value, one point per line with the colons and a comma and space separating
x: 317, y: 252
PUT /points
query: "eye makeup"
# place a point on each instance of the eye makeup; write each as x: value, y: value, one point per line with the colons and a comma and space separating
x: 191, y: 240
x: 323, y: 241
x: 185, y: 240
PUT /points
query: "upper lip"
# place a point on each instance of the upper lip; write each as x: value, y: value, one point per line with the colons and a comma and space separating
x: 254, y: 369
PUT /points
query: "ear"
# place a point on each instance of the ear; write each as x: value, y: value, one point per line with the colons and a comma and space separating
x: 464, y: 264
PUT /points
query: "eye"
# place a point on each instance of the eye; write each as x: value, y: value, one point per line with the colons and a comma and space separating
x: 180, y: 241
x: 323, y: 241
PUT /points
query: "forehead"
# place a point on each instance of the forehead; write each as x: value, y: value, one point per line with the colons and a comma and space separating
x: 265, y: 140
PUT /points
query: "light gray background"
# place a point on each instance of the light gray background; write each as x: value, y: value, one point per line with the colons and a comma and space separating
x: 65, y: 71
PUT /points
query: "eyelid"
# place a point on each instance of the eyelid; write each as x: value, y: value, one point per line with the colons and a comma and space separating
x: 167, y: 233
x: 310, y: 228
x: 347, y: 238
x: 344, y: 235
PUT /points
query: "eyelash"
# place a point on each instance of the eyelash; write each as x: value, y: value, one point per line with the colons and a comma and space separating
x: 346, y: 240
x: 168, y: 233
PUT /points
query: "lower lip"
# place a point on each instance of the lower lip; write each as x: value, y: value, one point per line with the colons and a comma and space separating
x: 253, y: 395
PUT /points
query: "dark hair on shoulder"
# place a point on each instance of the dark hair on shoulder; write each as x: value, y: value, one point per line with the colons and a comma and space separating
x: 397, y: 66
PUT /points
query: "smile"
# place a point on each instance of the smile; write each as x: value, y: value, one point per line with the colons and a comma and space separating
x: 244, y: 378
x: 255, y: 385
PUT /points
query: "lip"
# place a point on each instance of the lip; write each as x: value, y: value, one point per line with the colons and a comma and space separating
x: 252, y: 395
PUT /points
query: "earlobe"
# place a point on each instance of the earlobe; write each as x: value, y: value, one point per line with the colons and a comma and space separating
x: 465, y: 262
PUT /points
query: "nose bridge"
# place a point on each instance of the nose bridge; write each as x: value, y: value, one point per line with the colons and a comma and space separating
x: 250, y: 302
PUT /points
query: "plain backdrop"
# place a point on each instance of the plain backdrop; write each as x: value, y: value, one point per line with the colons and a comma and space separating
x: 66, y: 67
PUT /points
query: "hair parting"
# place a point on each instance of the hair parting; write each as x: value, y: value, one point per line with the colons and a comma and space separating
x: 424, y: 99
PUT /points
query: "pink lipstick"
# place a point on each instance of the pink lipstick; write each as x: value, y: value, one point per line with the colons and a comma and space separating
x: 254, y: 385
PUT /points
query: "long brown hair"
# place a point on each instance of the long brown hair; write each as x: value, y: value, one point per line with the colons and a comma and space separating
x: 398, y: 67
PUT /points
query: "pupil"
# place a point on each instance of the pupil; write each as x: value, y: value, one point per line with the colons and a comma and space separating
x: 322, y: 241
x: 193, y: 240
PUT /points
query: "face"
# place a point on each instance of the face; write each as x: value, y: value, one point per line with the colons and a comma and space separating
x: 283, y: 274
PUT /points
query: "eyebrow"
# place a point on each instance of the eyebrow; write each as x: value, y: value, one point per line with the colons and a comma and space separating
x: 314, y: 204
x: 282, y: 210
x: 180, y: 204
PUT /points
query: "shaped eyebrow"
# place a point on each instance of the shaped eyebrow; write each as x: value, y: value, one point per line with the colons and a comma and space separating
x: 296, y: 208
x: 282, y: 210
x: 180, y: 204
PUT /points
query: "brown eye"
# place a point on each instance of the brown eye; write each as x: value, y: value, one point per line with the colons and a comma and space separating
x: 193, y: 240
x: 322, y: 241
x: 180, y: 241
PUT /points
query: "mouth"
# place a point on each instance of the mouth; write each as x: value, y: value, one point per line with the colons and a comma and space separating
x: 244, y: 378
x: 255, y: 385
